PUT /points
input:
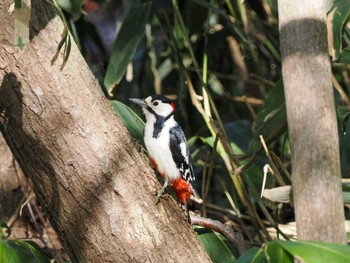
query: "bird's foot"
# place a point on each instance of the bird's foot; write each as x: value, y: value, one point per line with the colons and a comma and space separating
x: 186, y: 212
x: 161, y: 195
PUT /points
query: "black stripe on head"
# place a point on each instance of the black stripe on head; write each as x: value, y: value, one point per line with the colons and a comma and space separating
x: 161, y: 98
x: 164, y: 100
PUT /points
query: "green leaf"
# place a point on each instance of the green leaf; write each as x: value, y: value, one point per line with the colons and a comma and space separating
x: 276, y: 252
x: 215, y: 246
x: 288, y: 251
x: 344, y: 56
x: 271, y: 119
x: 73, y: 7
x: 19, y: 251
x: 341, y: 10
x: 130, y: 119
x: 252, y: 255
x: 317, y: 251
x: 7, y: 254
x: 129, y: 37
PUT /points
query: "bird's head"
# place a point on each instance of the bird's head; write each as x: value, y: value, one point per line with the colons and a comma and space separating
x: 156, y: 105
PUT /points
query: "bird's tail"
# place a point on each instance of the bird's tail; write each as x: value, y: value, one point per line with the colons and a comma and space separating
x: 194, y: 193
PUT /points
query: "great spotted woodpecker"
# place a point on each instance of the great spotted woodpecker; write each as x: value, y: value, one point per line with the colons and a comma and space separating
x: 167, y: 146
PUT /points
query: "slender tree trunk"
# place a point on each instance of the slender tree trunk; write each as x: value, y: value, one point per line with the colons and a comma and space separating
x: 87, y: 171
x: 312, y: 121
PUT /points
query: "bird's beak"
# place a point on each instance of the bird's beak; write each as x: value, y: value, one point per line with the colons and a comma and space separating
x: 140, y: 102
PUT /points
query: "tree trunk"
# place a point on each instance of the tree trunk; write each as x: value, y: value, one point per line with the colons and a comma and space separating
x: 312, y: 121
x: 87, y: 171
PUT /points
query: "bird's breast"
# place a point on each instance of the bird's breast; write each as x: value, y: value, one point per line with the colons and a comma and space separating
x: 158, y: 149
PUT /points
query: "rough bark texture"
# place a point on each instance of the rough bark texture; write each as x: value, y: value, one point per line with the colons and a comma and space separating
x: 312, y: 121
x: 87, y: 171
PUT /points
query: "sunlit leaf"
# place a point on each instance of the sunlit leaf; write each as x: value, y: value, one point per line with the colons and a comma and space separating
x: 129, y: 37
x: 19, y: 251
x: 302, y: 251
x: 276, y: 253
x: 73, y: 7
x: 317, y: 251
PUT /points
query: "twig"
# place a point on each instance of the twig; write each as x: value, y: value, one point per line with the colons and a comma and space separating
x: 251, y: 101
x: 274, y: 168
x: 250, y: 108
x: 266, y: 169
x: 342, y: 93
x: 26, y: 202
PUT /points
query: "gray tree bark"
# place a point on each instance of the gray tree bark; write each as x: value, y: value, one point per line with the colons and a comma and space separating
x: 312, y: 122
x: 87, y: 171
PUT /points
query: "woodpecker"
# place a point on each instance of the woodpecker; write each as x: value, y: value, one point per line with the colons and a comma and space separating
x: 167, y: 146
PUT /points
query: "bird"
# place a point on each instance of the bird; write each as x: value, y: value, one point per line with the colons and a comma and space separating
x: 167, y: 147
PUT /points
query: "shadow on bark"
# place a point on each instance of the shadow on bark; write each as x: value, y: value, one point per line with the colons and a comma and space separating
x: 47, y: 12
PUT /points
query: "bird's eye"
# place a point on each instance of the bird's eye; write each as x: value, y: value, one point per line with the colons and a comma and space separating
x: 155, y: 103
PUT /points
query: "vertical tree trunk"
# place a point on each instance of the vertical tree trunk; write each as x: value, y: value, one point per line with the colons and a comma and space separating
x: 312, y: 121
x: 87, y: 171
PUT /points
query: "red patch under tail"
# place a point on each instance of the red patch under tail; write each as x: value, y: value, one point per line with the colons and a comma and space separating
x: 182, y: 190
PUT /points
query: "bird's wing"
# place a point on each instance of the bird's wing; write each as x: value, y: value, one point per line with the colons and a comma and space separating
x: 181, y: 153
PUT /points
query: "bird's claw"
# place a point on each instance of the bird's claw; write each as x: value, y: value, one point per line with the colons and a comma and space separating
x: 161, y: 195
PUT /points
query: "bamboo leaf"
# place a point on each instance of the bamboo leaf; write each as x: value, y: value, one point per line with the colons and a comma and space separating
x: 129, y: 37
x: 271, y: 119
x: 216, y: 247
x: 19, y: 251
x: 302, y: 251
x: 73, y: 7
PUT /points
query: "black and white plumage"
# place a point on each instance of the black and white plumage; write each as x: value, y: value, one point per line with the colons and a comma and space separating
x: 167, y: 145
x: 180, y: 152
